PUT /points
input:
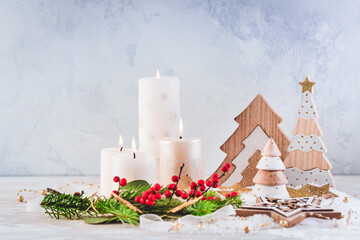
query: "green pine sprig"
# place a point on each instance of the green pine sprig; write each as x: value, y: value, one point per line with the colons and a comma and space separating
x: 76, y: 206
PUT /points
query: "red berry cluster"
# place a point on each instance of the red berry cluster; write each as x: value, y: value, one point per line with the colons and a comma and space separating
x: 210, y: 198
x: 150, y: 196
x: 226, y: 167
x: 173, y: 189
x: 233, y: 194
x: 122, y: 182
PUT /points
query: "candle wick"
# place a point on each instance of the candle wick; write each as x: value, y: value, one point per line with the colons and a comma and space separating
x: 121, y: 149
x: 180, y: 137
x: 134, y: 155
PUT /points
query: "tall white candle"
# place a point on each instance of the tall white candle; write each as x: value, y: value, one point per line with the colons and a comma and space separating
x: 176, y: 151
x: 134, y: 165
x: 106, y: 177
x: 159, y: 111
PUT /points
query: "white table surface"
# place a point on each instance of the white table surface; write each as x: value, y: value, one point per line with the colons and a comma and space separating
x: 16, y: 223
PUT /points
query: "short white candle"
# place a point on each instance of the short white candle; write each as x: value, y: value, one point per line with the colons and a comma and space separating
x: 134, y: 165
x: 176, y: 151
x: 106, y: 177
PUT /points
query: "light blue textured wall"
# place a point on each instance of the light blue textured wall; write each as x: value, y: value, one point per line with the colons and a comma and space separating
x: 69, y: 71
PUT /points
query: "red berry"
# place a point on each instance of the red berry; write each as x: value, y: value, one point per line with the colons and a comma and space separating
x: 193, y: 185
x: 215, y: 176
x: 167, y: 193
x: 216, y: 185
x: 171, y: 186
x: 175, y: 178
x: 210, y: 198
x: 234, y: 194
x: 184, y: 195
x: 227, y: 195
x: 77, y: 194
x: 217, y: 198
x: 198, y: 194
x: 116, y: 179
x: 123, y: 182
x: 202, y: 188
x: 148, y: 202
x: 151, y: 189
x: 224, y: 169
x: 137, y: 199
x: 157, y: 187
x: 203, y: 198
x: 191, y: 192
x: 215, y: 181
x: 142, y: 201
x: 158, y: 196
x: 228, y: 166
x: 145, y: 194
x: 178, y: 193
x: 152, y: 203
x: 201, y: 182
x: 152, y: 197
x: 115, y: 192
x: 208, y: 183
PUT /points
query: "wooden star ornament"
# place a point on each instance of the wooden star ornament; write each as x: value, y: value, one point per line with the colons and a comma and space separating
x: 307, y: 85
x: 288, y: 212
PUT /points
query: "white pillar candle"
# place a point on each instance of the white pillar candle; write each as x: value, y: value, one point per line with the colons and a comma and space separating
x: 106, y: 177
x: 159, y: 111
x: 133, y: 165
x: 176, y: 151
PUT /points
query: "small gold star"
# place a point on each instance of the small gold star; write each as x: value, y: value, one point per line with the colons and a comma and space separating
x: 307, y: 85
x: 176, y: 226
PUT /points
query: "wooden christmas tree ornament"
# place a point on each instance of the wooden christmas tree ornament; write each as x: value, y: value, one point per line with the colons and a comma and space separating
x: 270, y: 180
x: 306, y: 162
x: 251, y: 170
x: 257, y: 123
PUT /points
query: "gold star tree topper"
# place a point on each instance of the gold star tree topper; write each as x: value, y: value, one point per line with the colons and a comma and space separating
x: 307, y: 85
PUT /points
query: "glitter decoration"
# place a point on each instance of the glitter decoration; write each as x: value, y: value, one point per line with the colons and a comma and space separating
x: 310, y: 191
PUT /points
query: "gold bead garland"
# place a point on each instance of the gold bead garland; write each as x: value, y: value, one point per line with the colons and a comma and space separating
x: 43, y: 192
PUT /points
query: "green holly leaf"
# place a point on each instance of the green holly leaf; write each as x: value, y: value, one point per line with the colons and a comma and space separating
x: 136, y: 184
x: 99, y: 220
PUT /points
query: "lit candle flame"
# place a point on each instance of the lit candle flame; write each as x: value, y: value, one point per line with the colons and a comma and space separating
x: 158, y: 74
x: 181, y: 129
x: 121, y: 144
x: 133, y: 146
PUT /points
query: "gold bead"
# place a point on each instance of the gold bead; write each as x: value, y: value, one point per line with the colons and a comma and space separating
x: 90, y: 185
x: 30, y: 190
x: 35, y: 191
x: 345, y: 200
x: 283, y: 223
x: 242, y: 218
x: 20, y: 198
x: 43, y: 192
x: 246, y: 229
